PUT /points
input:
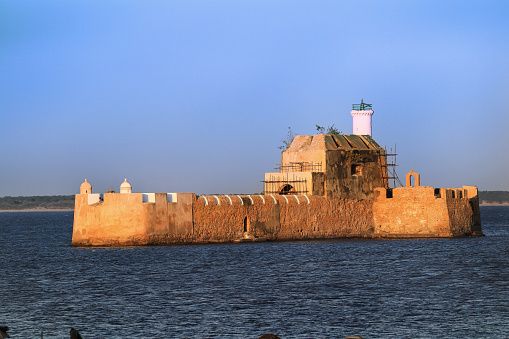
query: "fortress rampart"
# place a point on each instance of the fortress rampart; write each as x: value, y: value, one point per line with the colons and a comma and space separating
x: 425, y: 211
x: 129, y: 219
x: 328, y: 186
x: 181, y: 218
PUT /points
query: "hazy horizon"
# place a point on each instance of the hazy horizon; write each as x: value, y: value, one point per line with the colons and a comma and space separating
x: 197, y: 96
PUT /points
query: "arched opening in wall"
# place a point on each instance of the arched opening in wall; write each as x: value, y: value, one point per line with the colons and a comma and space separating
x: 246, y: 225
x: 287, y: 189
x: 412, y: 178
x: 417, y: 179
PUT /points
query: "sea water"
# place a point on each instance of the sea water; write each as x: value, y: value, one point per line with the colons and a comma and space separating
x: 416, y: 288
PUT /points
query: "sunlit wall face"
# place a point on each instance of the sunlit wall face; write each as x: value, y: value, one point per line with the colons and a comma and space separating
x: 197, y: 96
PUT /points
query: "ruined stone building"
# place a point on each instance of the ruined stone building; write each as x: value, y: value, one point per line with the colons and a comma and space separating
x: 335, y: 166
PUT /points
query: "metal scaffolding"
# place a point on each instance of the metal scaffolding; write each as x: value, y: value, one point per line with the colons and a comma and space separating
x: 388, y: 168
x: 299, y: 167
x: 285, y: 185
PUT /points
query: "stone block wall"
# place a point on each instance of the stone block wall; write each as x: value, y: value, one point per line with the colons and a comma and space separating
x: 125, y: 219
x: 423, y: 212
x: 460, y: 216
x: 411, y: 212
x: 119, y: 220
x: 325, y: 218
x: 463, y: 208
x: 353, y: 174
x: 277, y: 217
x: 226, y: 218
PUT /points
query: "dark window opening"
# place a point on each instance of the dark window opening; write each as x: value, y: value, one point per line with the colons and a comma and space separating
x: 356, y: 169
x: 287, y: 189
x: 460, y: 194
x: 437, y: 193
x: 388, y: 193
x: 453, y: 194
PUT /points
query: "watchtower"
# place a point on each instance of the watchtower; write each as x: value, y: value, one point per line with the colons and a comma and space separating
x: 361, y: 114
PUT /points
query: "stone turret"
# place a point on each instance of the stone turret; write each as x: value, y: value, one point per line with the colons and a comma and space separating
x: 85, y: 188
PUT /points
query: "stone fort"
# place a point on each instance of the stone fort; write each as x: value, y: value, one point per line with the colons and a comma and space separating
x: 327, y: 186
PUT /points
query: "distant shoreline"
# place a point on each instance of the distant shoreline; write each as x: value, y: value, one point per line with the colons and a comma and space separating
x: 39, y: 210
x: 72, y: 210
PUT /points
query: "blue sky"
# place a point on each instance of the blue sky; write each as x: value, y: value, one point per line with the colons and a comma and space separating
x: 196, y: 96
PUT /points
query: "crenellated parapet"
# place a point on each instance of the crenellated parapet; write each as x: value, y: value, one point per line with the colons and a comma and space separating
x: 424, y: 211
x: 118, y: 219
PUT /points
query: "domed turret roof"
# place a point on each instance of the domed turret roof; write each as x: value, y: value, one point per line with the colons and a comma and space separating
x: 125, y: 184
x: 85, y: 185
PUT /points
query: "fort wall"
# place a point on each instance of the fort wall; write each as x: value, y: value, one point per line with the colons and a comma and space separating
x: 180, y: 218
x: 423, y: 211
x: 279, y: 217
x: 124, y: 219
x: 132, y: 219
x: 325, y: 218
x: 117, y: 220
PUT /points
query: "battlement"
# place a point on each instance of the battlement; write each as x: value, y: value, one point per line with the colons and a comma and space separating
x: 134, y: 218
x: 424, y: 211
x: 98, y: 199
x: 426, y: 192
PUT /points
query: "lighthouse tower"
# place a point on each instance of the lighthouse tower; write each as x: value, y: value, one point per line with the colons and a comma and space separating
x: 361, y: 114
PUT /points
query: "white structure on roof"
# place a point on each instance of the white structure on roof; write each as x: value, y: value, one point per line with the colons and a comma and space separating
x: 85, y: 187
x: 361, y: 114
x: 125, y: 187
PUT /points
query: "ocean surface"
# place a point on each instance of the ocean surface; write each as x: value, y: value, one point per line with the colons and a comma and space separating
x: 421, y: 288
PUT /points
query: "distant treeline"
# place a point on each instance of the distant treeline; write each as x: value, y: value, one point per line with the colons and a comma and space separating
x: 494, y: 197
x: 57, y: 202
x: 52, y: 202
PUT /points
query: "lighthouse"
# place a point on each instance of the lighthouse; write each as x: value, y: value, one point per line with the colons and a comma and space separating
x: 361, y: 114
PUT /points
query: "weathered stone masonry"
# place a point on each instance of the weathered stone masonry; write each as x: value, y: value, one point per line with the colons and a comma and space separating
x: 205, y: 219
x: 423, y: 211
x: 125, y: 219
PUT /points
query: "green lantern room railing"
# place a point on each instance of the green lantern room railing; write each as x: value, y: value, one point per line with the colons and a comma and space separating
x: 362, y: 106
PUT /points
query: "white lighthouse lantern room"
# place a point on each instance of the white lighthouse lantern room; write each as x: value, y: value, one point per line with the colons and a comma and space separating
x: 361, y: 114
